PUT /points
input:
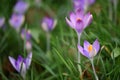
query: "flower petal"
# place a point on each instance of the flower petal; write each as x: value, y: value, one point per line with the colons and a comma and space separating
x: 79, y: 26
x: 23, y: 70
x: 92, y: 53
x: 86, y: 45
x: 27, y: 61
x: 16, y: 21
x: 91, y: 1
x: 21, y: 7
x: 73, y: 18
x: 44, y: 26
x: 86, y: 53
x: 54, y: 23
x: 19, y: 62
x: 13, y: 62
x: 80, y: 14
x: 69, y: 23
x: 78, y: 4
x: 87, y: 19
x: 96, y: 46
x: 80, y: 49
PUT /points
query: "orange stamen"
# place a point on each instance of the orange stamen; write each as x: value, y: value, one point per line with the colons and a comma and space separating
x: 78, y: 19
x: 90, y: 48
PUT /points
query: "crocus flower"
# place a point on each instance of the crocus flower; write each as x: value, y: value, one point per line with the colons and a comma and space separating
x: 89, y: 50
x: 26, y: 34
x: 2, y: 21
x: 21, y: 7
x: 82, y: 4
x: 79, y: 21
x: 16, y: 21
x: 48, y: 24
x: 78, y: 4
x: 21, y: 65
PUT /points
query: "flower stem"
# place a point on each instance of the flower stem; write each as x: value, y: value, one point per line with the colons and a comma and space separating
x: 110, y: 10
x: 78, y: 57
x: 96, y: 77
x: 48, y: 42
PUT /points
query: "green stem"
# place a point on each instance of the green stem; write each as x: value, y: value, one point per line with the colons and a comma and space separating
x: 48, y: 41
x: 96, y: 77
x: 78, y: 56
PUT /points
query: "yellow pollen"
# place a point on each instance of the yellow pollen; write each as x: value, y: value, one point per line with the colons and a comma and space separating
x: 90, y: 48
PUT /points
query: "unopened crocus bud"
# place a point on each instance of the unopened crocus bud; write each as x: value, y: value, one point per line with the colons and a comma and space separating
x: 48, y: 24
x: 26, y: 34
x: 28, y: 46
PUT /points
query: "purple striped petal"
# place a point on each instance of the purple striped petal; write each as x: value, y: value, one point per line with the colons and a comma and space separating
x: 96, y: 45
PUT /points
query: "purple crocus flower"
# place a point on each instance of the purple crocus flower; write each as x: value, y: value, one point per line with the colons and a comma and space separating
x: 21, y: 64
x: 26, y: 34
x: 2, y: 21
x: 89, y: 50
x: 21, y: 7
x: 78, y: 4
x: 82, y: 4
x: 79, y: 21
x: 48, y: 24
x: 16, y: 21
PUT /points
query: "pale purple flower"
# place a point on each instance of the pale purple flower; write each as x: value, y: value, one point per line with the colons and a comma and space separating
x: 21, y: 64
x: 79, y: 21
x: 82, y: 4
x: 21, y: 7
x: 2, y: 21
x: 16, y: 21
x: 26, y: 34
x: 48, y: 24
x: 89, y: 50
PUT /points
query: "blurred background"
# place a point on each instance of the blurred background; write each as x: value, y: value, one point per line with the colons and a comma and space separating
x: 59, y: 62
